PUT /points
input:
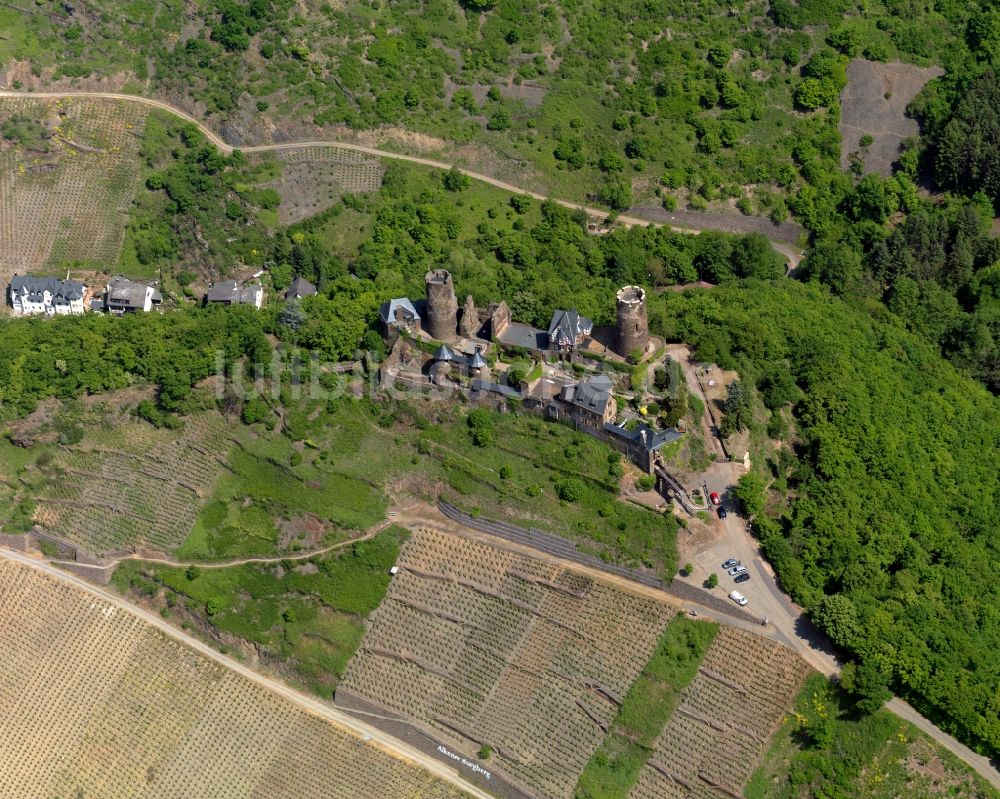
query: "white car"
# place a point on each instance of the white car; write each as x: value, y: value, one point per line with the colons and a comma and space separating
x: 737, y: 597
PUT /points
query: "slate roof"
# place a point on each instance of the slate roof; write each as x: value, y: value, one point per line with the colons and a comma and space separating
x: 400, y: 307
x: 495, y: 388
x: 650, y: 439
x: 568, y: 327
x: 444, y: 353
x: 125, y: 293
x: 300, y: 288
x: 477, y: 361
x: 592, y: 394
x: 223, y: 291
x: 34, y: 288
x: 229, y: 292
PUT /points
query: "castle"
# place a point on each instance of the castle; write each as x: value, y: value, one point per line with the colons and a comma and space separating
x: 437, y: 316
x: 436, y: 345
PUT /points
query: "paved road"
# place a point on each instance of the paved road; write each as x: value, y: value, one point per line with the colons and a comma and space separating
x: 372, y: 735
x: 790, y: 253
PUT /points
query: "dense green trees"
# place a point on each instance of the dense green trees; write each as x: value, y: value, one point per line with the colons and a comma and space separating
x: 897, y: 495
x: 92, y: 354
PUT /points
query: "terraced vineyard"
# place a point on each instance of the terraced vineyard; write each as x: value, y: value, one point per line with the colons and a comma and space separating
x: 713, y: 740
x: 483, y: 647
x: 97, y: 703
x: 312, y: 178
x: 65, y: 188
x: 131, y: 485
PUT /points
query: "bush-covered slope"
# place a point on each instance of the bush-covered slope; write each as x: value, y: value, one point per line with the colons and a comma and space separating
x: 892, y: 527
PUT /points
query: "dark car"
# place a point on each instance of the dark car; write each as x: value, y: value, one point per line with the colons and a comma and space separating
x: 723, y: 513
x: 730, y: 563
x: 741, y: 578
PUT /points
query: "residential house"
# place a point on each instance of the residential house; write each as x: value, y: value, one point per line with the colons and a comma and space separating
x: 641, y: 444
x: 228, y: 292
x: 45, y: 296
x: 300, y: 288
x: 123, y: 296
x: 591, y: 402
x: 399, y: 316
x: 568, y: 330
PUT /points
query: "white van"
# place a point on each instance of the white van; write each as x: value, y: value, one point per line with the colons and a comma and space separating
x: 737, y: 597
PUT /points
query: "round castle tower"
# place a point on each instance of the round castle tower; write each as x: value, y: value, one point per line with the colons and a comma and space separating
x: 632, y: 328
x: 442, y: 306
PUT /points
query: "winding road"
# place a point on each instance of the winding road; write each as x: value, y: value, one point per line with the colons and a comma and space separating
x: 791, y: 254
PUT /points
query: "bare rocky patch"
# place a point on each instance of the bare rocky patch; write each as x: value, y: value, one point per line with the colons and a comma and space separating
x: 874, y: 104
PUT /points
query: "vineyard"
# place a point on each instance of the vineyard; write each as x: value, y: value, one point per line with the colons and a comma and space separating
x: 129, y: 485
x: 487, y: 648
x: 313, y: 178
x: 712, y: 742
x: 97, y: 703
x: 67, y: 179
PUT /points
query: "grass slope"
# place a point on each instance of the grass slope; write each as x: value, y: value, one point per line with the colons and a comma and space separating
x: 305, y: 618
x: 828, y: 749
x: 615, y: 767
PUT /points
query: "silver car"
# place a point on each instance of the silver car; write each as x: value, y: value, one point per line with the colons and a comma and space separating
x: 737, y: 570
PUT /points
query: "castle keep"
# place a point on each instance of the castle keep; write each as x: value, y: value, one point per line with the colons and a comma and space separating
x: 632, y: 327
x: 442, y: 305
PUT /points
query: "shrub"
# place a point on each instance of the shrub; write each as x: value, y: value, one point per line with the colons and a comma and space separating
x: 646, y: 482
x: 570, y: 489
x: 712, y: 581
x: 506, y: 472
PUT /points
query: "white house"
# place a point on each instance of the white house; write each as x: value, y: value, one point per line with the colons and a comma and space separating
x: 124, y: 296
x: 228, y: 292
x: 45, y: 296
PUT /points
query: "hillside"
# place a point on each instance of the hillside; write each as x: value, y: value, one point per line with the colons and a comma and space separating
x: 98, y: 702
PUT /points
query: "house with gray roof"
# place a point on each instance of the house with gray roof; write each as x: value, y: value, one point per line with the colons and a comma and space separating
x: 568, y: 330
x: 591, y: 402
x: 299, y: 288
x: 399, y: 315
x: 641, y: 444
x: 229, y: 292
x: 122, y: 296
x: 45, y: 296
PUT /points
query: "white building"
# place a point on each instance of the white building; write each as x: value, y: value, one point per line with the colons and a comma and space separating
x: 125, y: 296
x: 45, y: 296
x: 228, y: 292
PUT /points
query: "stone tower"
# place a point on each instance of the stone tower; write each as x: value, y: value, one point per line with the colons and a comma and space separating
x: 632, y: 329
x: 469, y: 326
x: 442, y: 306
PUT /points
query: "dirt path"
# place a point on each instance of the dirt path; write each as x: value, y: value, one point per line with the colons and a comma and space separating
x: 371, y: 532
x: 330, y: 713
x: 783, y: 247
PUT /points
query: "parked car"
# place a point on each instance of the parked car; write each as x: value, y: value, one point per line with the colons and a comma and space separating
x: 737, y: 570
x: 722, y: 512
x: 738, y: 598
x: 715, y: 498
x: 742, y: 578
x: 730, y: 563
